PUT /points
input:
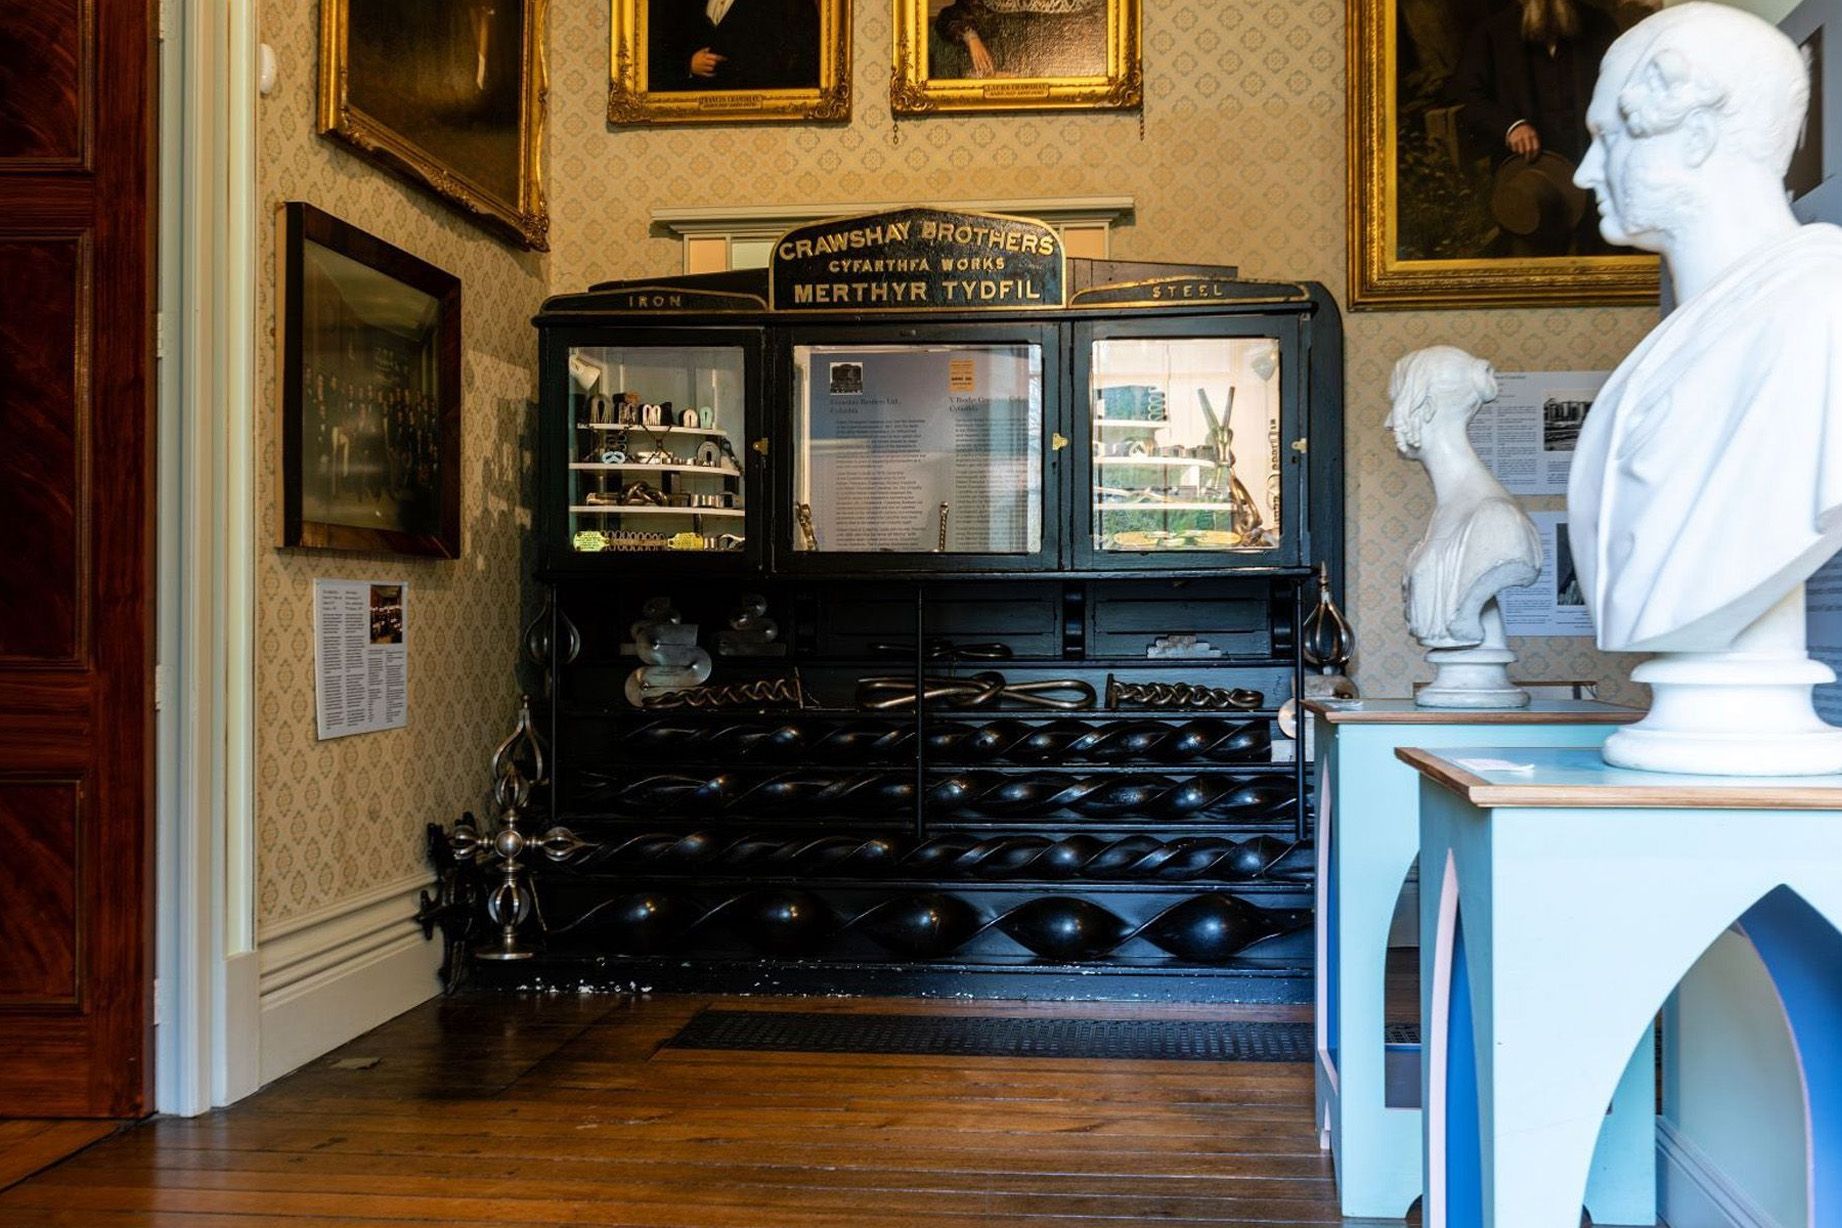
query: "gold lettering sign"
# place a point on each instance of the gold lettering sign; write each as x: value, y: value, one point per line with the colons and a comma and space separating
x: 918, y: 260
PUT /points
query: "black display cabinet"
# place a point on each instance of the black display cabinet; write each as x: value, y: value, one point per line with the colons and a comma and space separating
x: 1078, y: 505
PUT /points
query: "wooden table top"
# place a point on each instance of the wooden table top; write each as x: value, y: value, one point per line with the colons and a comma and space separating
x: 1575, y: 777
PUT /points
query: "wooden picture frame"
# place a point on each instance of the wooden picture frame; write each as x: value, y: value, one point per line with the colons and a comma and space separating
x: 451, y: 98
x: 1452, y: 250
x: 965, y: 55
x: 668, y: 63
x: 370, y: 341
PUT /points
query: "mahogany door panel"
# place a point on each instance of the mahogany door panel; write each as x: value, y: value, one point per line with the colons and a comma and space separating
x: 46, y: 97
x: 77, y: 125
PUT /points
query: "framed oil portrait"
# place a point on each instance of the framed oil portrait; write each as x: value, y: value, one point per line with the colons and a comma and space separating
x: 729, y: 61
x: 370, y: 395
x: 450, y: 95
x: 1466, y: 124
x: 1016, y: 55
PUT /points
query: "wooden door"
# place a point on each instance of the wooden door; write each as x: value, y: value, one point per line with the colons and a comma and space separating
x: 77, y: 125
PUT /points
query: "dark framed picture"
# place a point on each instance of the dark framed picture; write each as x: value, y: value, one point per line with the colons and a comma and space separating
x: 729, y: 61
x: 370, y: 397
x: 1016, y: 55
x: 1467, y: 123
x: 449, y: 94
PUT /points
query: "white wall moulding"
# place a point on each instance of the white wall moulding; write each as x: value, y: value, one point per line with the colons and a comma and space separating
x: 1694, y: 1193
x: 721, y: 237
x: 338, y: 972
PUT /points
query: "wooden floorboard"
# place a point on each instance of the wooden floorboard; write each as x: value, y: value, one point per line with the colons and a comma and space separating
x: 562, y: 1110
x: 30, y: 1144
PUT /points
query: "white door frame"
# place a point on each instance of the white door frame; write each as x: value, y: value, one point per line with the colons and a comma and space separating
x: 207, y: 1042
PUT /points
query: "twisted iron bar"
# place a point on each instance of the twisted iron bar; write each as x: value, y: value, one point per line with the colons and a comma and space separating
x: 954, y: 855
x: 765, y: 692
x: 879, y: 794
x: 1001, y: 740
x: 1208, y: 928
x: 981, y: 690
x: 1179, y: 695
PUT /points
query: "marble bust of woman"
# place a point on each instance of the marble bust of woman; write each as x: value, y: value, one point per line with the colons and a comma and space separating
x: 1478, y: 543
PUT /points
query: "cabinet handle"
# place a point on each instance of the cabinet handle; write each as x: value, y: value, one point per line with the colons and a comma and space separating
x: 1058, y: 441
x: 760, y: 446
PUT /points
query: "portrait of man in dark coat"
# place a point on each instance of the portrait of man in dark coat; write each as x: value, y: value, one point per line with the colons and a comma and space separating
x: 1491, y: 111
x: 733, y: 44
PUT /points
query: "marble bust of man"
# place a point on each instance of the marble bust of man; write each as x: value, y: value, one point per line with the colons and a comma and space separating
x: 1478, y: 542
x: 1707, y: 482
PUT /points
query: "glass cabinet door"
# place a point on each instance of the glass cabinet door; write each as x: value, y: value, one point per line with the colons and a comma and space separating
x: 656, y: 439
x: 934, y: 448
x: 1184, y: 447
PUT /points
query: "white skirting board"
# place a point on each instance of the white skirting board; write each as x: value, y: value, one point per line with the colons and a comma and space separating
x: 334, y: 974
x: 1693, y: 1193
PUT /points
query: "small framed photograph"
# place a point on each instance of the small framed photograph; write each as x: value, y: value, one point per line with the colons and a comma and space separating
x: 729, y: 61
x: 450, y: 96
x: 370, y: 339
x: 1016, y: 55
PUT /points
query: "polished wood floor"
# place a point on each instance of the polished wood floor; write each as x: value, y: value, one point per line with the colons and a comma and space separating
x: 30, y: 1144
x: 561, y: 1110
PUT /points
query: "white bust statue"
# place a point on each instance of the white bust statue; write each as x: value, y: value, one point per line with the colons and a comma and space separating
x: 1707, y: 482
x: 1478, y: 543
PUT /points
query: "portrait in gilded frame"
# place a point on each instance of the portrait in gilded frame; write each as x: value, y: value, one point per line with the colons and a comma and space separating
x: 447, y: 93
x: 729, y: 61
x: 1016, y: 55
x: 370, y: 340
x: 1467, y: 123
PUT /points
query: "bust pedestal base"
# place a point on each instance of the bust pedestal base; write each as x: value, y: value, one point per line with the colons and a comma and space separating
x: 1475, y: 677
x: 1471, y: 678
x: 1730, y: 714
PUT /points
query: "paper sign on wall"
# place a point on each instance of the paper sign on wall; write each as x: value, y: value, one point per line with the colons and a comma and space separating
x: 361, y: 656
x: 1554, y: 604
x: 1526, y: 436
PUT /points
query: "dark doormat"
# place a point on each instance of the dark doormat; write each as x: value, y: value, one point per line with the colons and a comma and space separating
x: 1169, y: 1040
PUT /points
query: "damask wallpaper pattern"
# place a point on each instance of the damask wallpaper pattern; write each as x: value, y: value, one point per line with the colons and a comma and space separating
x: 1241, y: 160
x: 336, y: 819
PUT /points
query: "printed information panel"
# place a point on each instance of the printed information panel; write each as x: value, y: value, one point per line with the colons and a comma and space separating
x: 361, y: 656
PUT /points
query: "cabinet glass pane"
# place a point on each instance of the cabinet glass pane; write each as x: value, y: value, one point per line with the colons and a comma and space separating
x: 919, y: 449
x: 655, y: 460
x: 1186, y: 443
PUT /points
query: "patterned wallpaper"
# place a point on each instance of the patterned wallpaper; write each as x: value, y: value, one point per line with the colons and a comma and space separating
x: 1241, y: 160
x: 336, y: 819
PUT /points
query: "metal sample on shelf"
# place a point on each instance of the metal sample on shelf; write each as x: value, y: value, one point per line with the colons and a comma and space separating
x: 982, y: 690
x: 668, y: 652
x: 1329, y: 642
x: 1180, y: 695
x: 751, y: 633
x: 763, y: 693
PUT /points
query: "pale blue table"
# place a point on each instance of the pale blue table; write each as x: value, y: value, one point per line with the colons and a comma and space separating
x: 1368, y: 1092
x: 1562, y: 905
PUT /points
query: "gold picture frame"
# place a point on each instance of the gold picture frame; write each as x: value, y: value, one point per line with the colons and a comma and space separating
x: 402, y: 98
x: 785, y: 84
x: 1384, y: 274
x: 915, y: 89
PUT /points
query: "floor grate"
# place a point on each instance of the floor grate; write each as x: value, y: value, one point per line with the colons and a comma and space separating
x: 1171, y: 1040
